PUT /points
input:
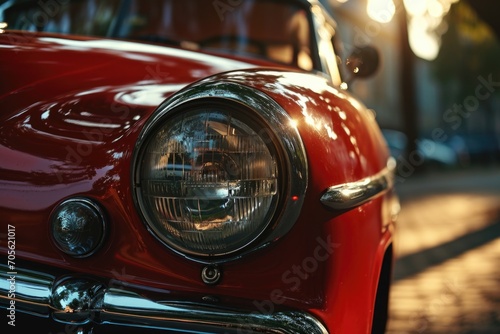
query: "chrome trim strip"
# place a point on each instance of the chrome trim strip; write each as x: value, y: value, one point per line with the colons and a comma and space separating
x: 350, y: 195
x: 42, y: 295
x: 29, y: 289
x: 129, y: 308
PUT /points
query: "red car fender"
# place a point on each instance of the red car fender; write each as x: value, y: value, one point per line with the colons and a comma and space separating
x: 329, y: 263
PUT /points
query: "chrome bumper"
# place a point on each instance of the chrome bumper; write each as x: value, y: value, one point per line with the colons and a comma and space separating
x: 88, y: 303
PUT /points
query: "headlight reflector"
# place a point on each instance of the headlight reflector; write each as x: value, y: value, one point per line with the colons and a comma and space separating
x: 209, y: 179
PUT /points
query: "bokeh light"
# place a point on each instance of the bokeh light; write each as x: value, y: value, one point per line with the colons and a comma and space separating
x: 381, y: 10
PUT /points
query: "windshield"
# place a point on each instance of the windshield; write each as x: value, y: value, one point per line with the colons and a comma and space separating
x: 275, y: 30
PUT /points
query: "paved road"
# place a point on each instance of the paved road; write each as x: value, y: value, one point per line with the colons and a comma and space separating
x: 447, y: 276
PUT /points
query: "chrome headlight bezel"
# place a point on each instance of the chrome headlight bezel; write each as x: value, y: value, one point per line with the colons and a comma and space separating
x: 281, y: 132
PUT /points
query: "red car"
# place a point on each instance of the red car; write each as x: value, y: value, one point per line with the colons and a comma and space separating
x: 189, y: 167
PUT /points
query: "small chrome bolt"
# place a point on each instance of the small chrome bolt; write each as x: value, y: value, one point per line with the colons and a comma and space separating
x: 211, y: 274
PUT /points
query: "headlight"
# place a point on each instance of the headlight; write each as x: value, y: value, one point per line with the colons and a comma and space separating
x: 212, y: 174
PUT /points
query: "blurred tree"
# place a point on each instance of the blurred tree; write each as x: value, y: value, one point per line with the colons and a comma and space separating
x: 469, y: 48
x: 468, y: 57
x: 488, y: 12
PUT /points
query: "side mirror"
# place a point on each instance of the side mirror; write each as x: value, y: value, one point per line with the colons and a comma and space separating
x: 363, y: 62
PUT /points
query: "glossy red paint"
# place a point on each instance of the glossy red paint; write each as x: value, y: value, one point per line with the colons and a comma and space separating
x: 343, y: 144
x: 68, y: 126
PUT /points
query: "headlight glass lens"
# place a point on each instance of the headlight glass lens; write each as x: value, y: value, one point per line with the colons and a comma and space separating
x: 208, y: 180
x: 78, y: 227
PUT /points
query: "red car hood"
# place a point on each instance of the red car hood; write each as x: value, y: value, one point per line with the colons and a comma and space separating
x: 67, y: 102
x: 42, y: 66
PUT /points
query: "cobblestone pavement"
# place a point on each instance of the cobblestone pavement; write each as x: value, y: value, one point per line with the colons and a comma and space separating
x: 447, y: 275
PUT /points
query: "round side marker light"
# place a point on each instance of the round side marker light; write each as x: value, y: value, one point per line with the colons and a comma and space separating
x: 78, y: 227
